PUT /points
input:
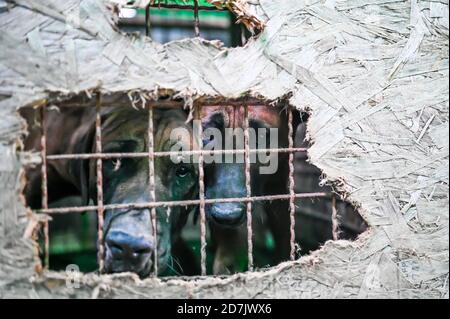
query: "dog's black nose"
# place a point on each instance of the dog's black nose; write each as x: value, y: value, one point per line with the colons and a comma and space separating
x: 131, y: 250
x: 228, y: 214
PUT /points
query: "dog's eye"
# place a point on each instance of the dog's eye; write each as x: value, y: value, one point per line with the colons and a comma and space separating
x: 114, y: 164
x: 117, y: 163
x: 182, y: 171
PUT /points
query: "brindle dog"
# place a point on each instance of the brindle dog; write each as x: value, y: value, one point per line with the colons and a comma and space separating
x: 128, y: 235
x: 227, y: 180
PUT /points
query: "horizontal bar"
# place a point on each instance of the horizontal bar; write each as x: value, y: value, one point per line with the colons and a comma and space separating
x: 81, y: 209
x: 165, y: 154
x: 184, y: 7
x: 109, y: 101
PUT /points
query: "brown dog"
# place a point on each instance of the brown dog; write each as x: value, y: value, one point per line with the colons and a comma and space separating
x: 128, y: 233
x: 228, y: 180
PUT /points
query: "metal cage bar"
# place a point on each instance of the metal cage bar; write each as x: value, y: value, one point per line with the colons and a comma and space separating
x: 291, y: 183
x: 243, y: 37
x: 183, y: 7
x: 108, y: 101
x: 147, y: 20
x: 201, y: 202
x: 167, y: 154
x: 196, y: 19
x: 99, y: 169
x: 248, y: 187
x: 35, y: 245
x: 81, y: 209
x: 44, y: 184
x: 152, y: 186
x: 196, y: 8
x: 334, y: 219
x: 201, y: 182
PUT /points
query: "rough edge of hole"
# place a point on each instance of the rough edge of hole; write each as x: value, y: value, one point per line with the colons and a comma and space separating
x: 188, y: 98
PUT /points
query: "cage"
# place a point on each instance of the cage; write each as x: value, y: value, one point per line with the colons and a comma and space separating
x: 62, y: 127
x: 385, y: 152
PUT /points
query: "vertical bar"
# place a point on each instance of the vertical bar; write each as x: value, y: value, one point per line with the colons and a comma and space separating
x: 243, y: 37
x: 249, y: 190
x: 291, y: 183
x: 99, y: 166
x: 201, y: 183
x: 151, y: 166
x: 47, y: 244
x: 36, y: 258
x: 147, y: 20
x: 196, y: 19
x: 334, y: 220
x: 44, y: 186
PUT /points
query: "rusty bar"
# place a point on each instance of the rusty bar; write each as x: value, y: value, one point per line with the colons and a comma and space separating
x: 201, y: 183
x: 196, y: 19
x: 99, y: 166
x: 249, y: 190
x: 147, y: 20
x: 291, y: 184
x: 44, y: 186
x: 151, y: 166
x: 243, y: 37
x: 183, y: 7
x: 334, y: 219
x: 165, y: 154
x: 47, y: 244
x: 81, y: 209
x: 35, y: 244
x: 163, y: 104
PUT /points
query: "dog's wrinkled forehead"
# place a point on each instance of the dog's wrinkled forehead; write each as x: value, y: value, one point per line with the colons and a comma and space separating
x: 123, y: 122
x: 233, y: 117
x: 131, y: 124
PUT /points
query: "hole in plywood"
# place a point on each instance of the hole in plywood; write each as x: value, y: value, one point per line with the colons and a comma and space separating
x: 73, y: 237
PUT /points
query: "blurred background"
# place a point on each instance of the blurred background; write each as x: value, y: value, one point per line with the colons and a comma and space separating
x: 167, y: 24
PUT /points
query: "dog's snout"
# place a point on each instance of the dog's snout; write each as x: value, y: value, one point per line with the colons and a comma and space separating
x: 129, y: 248
x: 228, y: 214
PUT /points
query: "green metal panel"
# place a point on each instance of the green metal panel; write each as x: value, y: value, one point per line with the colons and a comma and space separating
x: 188, y: 13
x: 186, y: 2
x: 184, y: 14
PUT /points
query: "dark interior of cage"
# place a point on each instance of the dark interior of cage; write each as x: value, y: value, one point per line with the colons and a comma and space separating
x: 73, y: 236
